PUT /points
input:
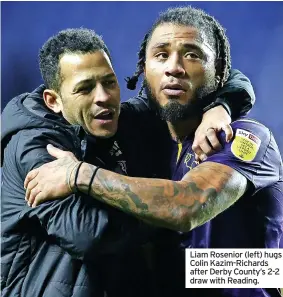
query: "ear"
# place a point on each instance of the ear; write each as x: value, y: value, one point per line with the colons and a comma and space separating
x: 218, y: 67
x: 53, y: 100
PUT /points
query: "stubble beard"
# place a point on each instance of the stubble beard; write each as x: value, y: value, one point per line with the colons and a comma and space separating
x: 174, y: 111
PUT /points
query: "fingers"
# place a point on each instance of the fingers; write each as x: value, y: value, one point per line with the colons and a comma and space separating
x: 228, y: 132
x: 33, y: 196
x: 36, y: 198
x: 200, y: 158
x: 57, y: 153
x: 40, y: 197
x: 30, y: 186
x: 206, y: 144
x: 31, y: 175
x: 199, y: 154
x: 206, y: 147
x: 213, y: 139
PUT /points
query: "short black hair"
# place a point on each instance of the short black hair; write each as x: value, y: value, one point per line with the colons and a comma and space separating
x: 189, y: 16
x: 78, y: 40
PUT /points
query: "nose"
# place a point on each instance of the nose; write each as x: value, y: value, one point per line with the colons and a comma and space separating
x: 100, y: 94
x: 175, y: 66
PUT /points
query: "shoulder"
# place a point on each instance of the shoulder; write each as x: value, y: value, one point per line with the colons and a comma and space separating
x: 26, y: 140
x: 256, y: 134
x: 251, y: 130
x: 253, y: 152
x: 251, y: 125
x: 136, y: 106
x: 252, y: 136
x: 36, y: 137
x: 27, y: 148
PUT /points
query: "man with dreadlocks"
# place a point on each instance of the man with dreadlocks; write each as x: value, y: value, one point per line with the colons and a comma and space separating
x: 186, y: 58
x: 69, y: 248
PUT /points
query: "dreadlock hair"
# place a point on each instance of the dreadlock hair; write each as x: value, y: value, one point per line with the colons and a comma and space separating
x: 189, y: 16
x: 77, y: 41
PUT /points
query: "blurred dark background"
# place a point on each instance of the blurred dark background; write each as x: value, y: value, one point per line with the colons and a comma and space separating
x: 255, y: 30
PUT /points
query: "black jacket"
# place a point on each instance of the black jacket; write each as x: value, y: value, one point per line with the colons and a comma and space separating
x: 66, y: 248
x: 59, y: 248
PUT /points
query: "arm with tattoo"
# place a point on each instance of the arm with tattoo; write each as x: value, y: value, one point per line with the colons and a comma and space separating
x: 203, y: 193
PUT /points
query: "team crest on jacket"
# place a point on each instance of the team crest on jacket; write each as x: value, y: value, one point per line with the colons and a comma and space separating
x: 245, y: 145
x: 190, y: 161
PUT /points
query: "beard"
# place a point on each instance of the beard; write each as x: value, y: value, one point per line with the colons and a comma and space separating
x: 174, y: 111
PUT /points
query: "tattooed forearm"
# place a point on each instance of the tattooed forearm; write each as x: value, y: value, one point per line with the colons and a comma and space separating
x: 203, y: 193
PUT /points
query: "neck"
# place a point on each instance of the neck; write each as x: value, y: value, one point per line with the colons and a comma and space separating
x: 181, y: 129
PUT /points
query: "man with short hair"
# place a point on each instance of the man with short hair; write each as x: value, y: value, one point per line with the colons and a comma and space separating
x: 231, y: 200
x: 58, y: 248
x: 74, y: 247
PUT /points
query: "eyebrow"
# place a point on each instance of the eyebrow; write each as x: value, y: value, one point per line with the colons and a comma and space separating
x: 160, y: 45
x: 195, y: 47
x: 109, y: 75
x: 91, y: 79
x: 82, y: 83
x: 185, y: 45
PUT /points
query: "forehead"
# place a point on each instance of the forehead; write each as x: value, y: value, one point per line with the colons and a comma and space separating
x: 178, y: 34
x: 78, y: 66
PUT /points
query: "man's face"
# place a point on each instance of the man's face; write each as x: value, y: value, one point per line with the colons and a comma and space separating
x: 179, y: 68
x: 90, y: 94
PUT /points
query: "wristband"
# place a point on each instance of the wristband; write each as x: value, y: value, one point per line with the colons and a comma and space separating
x: 76, y: 177
x: 91, y: 180
x: 70, y: 175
